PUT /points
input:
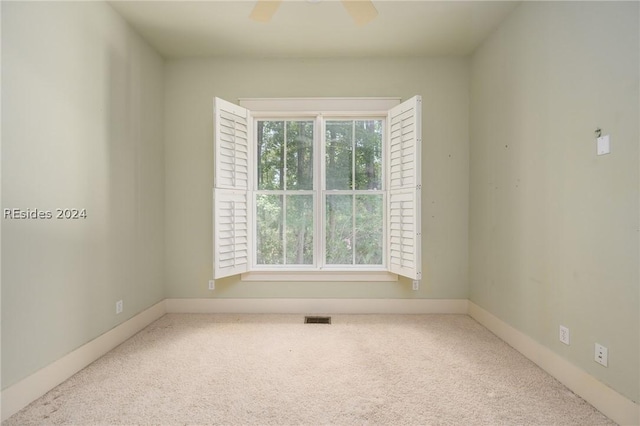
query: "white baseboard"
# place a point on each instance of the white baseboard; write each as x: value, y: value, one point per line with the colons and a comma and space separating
x: 21, y: 394
x: 318, y: 306
x: 615, y: 406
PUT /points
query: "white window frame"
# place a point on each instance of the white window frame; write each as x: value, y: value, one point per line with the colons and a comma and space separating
x: 320, y: 192
x: 338, y: 108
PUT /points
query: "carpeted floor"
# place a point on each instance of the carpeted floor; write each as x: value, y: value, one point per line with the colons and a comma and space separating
x: 275, y: 370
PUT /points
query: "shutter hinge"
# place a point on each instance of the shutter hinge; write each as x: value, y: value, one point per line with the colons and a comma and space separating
x: 419, y: 275
x: 419, y: 186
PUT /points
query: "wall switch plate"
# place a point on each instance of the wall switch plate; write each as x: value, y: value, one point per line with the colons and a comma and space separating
x: 212, y: 285
x: 416, y: 285
x: 119, y: 306
x: 604, y: 145
x: 564, y: 335
x: 602, y: 355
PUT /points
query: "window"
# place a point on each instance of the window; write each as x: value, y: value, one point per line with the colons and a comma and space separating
x: 308, y: 189
x: 353, y: 197
x: 284, y: 195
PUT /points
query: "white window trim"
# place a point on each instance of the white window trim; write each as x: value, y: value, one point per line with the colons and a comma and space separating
x: 299, y: 105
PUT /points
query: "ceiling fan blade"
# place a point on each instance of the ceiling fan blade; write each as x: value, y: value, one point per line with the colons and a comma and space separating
x: 362, y: 11
x: 264, y: 9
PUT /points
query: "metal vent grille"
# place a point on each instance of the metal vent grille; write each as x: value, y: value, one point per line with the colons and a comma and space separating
x: 317, y: 320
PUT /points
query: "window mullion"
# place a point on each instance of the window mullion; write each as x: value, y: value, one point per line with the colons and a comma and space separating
x: 353, y: 155
x: 284, y: 228
x: 320, y: 144
x: 353, y: 193
x: 353, y: 228
x: 284, y: 195
x: 353, y: 187
x: 284, y: 159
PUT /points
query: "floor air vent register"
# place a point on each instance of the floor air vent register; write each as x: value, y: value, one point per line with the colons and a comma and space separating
x: 317, y: 320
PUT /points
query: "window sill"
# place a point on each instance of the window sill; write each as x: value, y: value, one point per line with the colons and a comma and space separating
x: 324, y: 276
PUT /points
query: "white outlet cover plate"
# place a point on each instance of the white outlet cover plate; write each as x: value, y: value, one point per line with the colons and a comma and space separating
x: 602, y: 355
x: 564, y: 335
x: 604, y: 145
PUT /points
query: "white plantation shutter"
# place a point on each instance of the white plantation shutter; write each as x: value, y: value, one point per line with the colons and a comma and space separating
x: 231, y: 145
x: 231, y: 232
x: 404, y: 178
x: 231, y: 205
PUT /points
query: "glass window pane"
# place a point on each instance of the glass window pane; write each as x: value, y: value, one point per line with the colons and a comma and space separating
x: 299, y: 155
x: 339, y: 229
x: 339, y: 147
x: 368, y: 154
x: 299, y: 229
x: 270, y: 155
x: 368, y: 229
x: 269, y: 247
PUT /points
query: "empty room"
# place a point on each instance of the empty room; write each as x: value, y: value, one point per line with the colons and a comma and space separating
x: 320, y: 212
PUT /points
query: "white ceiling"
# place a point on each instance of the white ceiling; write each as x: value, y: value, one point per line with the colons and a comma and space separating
x: 303, y: 29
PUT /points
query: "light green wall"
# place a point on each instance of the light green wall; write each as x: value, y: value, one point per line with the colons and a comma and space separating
x: 190, y: 88
x: 554, y: 228
x: 82, y: 113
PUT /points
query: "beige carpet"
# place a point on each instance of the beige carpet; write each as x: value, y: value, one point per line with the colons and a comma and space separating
x: 275, y: 370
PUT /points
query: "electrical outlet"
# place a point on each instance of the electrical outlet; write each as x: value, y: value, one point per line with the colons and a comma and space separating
x: 212, y: 285
x: 119, y: 306
x: 416, y: 285
x: 602, y: 355
x: 564, y: 335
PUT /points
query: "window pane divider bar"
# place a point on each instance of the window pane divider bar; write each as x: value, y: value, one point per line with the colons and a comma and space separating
x: 319, y: 186
x: 353, y: 187
x: 284, y: 196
